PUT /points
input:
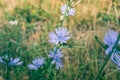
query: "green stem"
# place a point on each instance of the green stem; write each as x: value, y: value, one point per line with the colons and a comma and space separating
x: 98, y: 40
x: 107, y: 58
x: 56, y: 73
x: 50, y: 73
x: 8, y: 69
x: 37, y: 51
x: 8, y: 54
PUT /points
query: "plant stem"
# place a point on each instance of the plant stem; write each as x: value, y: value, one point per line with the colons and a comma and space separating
x: 50, y: 73
x: 98, y: 40
x: 8, y: 69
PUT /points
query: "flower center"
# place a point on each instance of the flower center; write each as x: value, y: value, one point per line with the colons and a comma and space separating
x: 60, y: 37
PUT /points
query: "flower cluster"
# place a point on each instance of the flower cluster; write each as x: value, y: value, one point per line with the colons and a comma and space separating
x: 60, y: 36
x: 55, y: 55
x: 67, y: 10
x: 110, y: 39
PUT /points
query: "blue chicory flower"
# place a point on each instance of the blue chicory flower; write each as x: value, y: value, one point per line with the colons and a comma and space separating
x: 116, y: 58
x: 70, y: 10
x: 110, y: 39
x: 61, y: 35
x: 15, y: 61
x: 56, y: 56
x: 36, y: 63
x: 11, y: 61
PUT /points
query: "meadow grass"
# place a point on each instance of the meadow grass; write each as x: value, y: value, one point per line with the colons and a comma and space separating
x: 82, y: 59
